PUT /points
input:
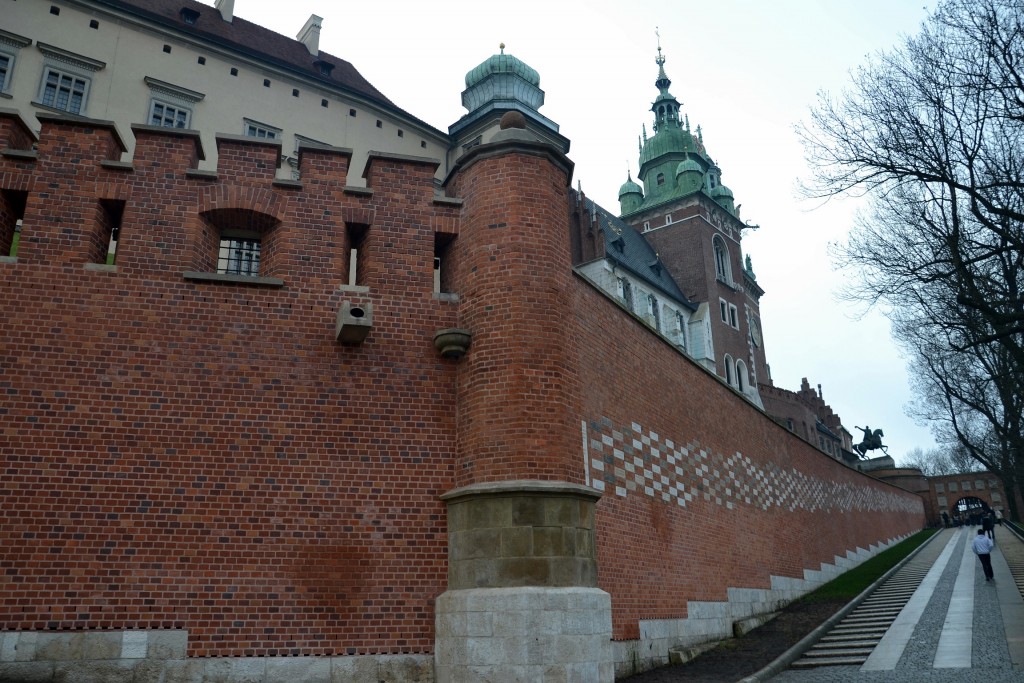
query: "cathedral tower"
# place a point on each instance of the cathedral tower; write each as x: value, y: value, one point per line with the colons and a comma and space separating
x: 690, y: 218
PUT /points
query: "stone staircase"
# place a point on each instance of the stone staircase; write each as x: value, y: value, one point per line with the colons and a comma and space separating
x: 851, y: 641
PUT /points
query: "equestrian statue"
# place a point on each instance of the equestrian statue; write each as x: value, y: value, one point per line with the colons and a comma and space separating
x: 872, y: 441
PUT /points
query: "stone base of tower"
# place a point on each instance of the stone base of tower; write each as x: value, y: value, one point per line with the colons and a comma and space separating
x: 522, y: 601
x: 524, y: 634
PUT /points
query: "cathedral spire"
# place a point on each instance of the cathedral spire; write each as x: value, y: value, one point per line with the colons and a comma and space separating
x: 665, y: 107
x: 663, y: 81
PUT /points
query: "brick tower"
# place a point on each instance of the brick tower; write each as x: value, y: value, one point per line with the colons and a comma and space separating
x: 521, y: 524
x: 691, y: 220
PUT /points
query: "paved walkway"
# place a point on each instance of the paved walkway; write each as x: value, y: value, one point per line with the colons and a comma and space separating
x: 956, y: 628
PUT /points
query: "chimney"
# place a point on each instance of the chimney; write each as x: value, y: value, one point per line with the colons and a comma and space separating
x: 310, y: 34
x: 226, y: 9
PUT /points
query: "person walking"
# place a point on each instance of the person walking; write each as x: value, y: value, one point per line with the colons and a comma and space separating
x: 989, y: 526
x: 982, y: 547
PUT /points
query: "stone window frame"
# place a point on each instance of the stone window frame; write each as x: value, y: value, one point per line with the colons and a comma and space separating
x: 10, y: 45
x: 169, y: 96
x: 652, y: 309
x: 682, y: 322
x: 625, y: 289
x: 730, y: 371
x: 734, y: 317
x: 254, y: 129
x: 66, y: 64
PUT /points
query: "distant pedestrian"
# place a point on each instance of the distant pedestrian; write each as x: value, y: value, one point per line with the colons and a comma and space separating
x: 982, y: 547
x: 989, y: 526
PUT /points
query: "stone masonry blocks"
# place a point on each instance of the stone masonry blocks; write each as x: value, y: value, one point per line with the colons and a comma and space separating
x: 528, y: 634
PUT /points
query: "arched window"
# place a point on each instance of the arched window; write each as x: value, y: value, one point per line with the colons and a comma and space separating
x: 681, y: 333
x: 729, y: 370
x: 661, y: 178
x: 723, y: 271
x: 742, y: 381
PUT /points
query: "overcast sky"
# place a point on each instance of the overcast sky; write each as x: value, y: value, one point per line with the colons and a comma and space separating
x: 746, y: 71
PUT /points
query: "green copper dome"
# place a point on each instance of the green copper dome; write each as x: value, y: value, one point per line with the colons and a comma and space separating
x: 721, y: 191
x: 629, y: 187
x: 668, y: 140
x: 687, y: 166
x: 502, y: 63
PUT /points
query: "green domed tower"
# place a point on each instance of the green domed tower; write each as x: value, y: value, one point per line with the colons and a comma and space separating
x: 691, y: 220
x: 500, y: 84
x: 631, y: 195
x: 674, y: 162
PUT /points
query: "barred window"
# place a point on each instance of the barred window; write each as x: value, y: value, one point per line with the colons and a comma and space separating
x: 168, y: 116
x: 239, y: 256
x: 64, y: 91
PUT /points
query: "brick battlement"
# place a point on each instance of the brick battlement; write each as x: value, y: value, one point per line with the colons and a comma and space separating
x: 168, y: 216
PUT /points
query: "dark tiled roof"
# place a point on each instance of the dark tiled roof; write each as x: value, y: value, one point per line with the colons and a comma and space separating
x: 253, y: 40
x: 628, y: 249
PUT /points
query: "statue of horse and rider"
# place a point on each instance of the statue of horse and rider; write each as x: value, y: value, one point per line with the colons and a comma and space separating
x: 872, y: 441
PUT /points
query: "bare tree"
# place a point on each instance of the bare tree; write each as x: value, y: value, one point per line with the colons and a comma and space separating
x: 933, y: 133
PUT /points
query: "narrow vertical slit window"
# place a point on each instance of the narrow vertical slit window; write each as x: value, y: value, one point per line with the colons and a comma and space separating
x: 356, y: 254
x: 12, y: 211
x: 110, y: 215
x: 442, y: 271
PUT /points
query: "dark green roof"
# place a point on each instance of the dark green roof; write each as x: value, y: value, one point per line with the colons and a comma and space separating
x: 502, y: 63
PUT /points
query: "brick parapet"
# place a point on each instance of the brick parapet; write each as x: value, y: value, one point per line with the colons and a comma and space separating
x: 15, y: 133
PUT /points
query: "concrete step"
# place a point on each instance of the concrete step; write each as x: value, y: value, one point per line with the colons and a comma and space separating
x: 745, y: 626
x: 682, y: 655
x: 840, y: 652
x: 860, y: 642
x: 828, y: 661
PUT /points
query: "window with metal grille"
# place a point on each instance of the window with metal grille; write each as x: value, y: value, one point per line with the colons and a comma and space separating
x: 168, y: 116
x: 239, y: 256
x: 64, y: 91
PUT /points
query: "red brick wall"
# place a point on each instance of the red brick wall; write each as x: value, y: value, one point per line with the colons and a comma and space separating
x: 654, y: 555
x: 685, y: 247
x: 14, y: 134
x: 519, y: 388
x: 204, y: 454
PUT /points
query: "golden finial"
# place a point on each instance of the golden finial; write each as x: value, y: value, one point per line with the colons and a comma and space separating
x: 502, y: 47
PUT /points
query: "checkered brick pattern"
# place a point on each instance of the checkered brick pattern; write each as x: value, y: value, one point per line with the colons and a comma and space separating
x: 635, y: 461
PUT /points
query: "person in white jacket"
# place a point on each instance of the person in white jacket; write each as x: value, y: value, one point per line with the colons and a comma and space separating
x: 982, y: 547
